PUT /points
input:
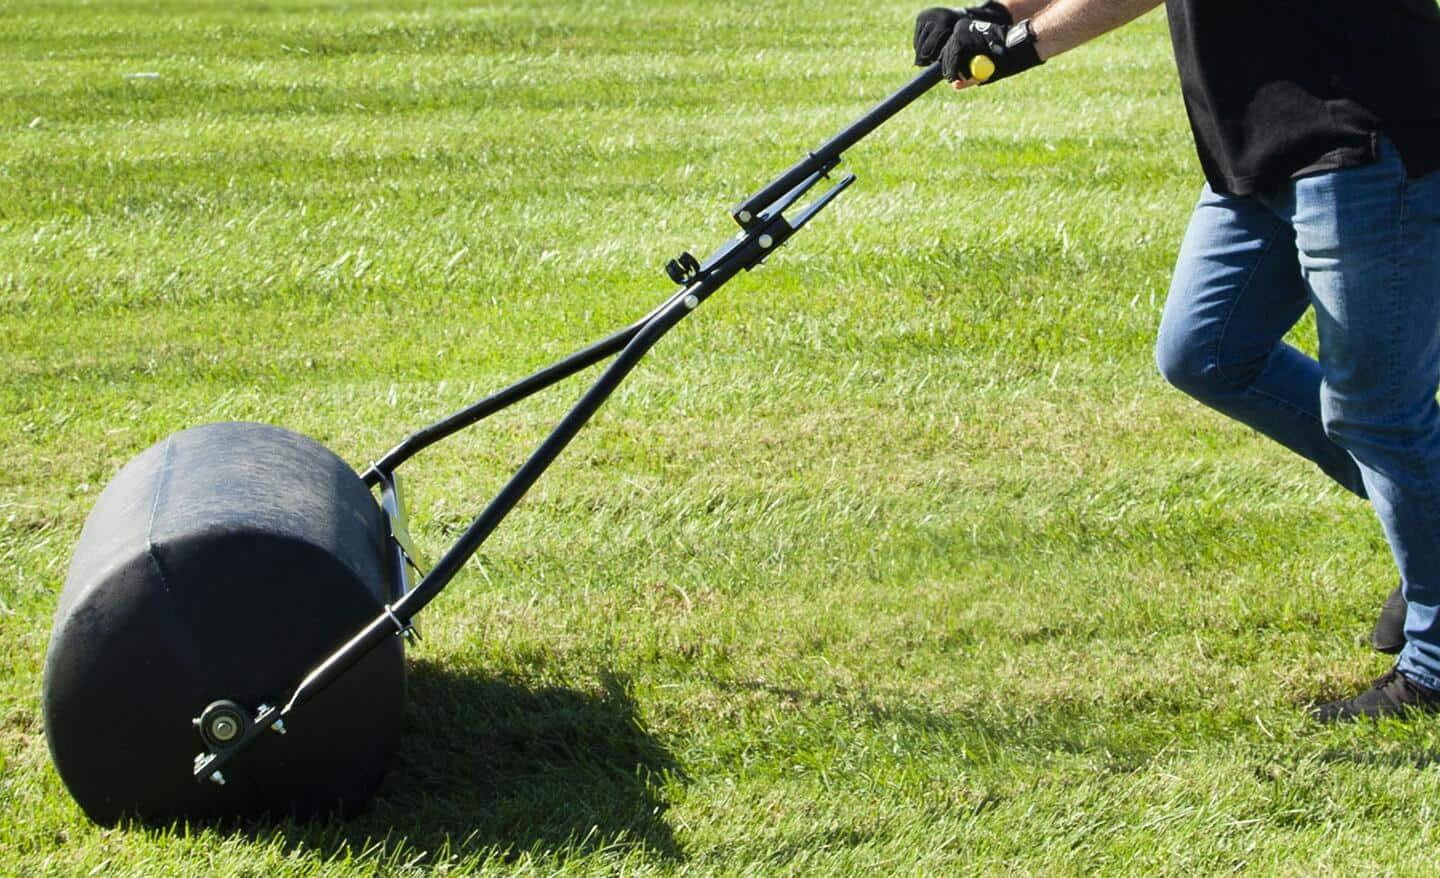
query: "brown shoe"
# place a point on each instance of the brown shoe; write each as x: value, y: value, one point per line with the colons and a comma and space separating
x: 1392, y: 695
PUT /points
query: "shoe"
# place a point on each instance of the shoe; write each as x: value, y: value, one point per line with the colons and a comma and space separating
x: 1389, y: 633
x: 1392, y: 695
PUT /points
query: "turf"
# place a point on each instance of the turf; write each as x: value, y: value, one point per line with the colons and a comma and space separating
x: 896, y: 557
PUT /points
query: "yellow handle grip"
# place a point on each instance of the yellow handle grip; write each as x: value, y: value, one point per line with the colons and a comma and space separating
x: 981, y: 68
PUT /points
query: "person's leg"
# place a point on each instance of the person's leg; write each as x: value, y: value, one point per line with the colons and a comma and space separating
x: 1236, y: 291
x: 1369, y: 249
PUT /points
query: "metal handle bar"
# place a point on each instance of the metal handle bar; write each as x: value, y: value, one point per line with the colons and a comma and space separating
x: 763, y: 230
x: 827, y: 156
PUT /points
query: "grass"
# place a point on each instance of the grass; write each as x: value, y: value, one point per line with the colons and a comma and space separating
x: 897, y: 557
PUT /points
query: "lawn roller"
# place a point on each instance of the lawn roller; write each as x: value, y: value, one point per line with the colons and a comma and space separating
x: 240, y: 591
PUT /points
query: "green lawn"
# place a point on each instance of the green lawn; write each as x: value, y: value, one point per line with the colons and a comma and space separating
x: 897, y: 557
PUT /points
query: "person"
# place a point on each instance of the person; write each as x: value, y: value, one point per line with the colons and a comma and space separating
x: 1317, y: 124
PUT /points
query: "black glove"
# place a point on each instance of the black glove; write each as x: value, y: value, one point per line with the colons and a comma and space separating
x: 1010, y: 47
x: 934, y: 26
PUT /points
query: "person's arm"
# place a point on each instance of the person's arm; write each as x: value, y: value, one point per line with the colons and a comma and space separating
x: 1055, y: 26
x: 1024, y: 8
x: 1061, y: 25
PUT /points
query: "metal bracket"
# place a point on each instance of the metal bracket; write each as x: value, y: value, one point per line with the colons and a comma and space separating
x: 683, y: 270
x: 403, y: 554
x: 821, y: 203
x: 226, y: 729
x: 405, y: 629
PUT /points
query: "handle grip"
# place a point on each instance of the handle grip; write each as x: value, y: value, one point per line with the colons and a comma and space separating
x: 982, y: 68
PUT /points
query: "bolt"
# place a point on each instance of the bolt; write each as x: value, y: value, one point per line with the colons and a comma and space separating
x: 279, y: 727
x: 224, y: 728
x: 218, y: 779
x: 745, y: 216
x: 691, y: 302
x: 766, y: 242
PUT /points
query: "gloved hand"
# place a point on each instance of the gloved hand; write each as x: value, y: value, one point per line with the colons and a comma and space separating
x: 934, y: 26
x: 1010, y: 47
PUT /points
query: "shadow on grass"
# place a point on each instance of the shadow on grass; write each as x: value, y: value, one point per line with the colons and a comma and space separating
x: 1120, y: 737
x: 492, y: 767
x: 1419, y: 759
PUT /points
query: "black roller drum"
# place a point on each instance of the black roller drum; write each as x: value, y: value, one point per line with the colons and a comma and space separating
x: 222, y: 563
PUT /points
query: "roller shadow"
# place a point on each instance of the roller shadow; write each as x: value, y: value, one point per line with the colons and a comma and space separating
x: 495, y: 767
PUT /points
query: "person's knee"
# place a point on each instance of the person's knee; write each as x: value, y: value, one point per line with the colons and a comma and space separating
x: 1190, y: 364
x: 1179, y: 360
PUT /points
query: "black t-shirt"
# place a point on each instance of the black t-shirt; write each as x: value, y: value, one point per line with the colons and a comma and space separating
x: 1280, y: 88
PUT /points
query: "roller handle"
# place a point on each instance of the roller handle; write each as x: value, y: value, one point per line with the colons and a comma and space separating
x: 827, y: 155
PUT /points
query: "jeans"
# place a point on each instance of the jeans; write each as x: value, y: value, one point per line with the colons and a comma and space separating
x: 1361, y: 246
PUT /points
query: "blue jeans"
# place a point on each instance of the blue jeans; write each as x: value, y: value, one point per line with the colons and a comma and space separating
x: 1362, y: 247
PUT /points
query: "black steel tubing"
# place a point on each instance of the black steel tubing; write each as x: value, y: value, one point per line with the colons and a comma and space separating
x: 821, y: 160
x: 476, y: 412
x: 398, y: 616
x: 765, y: 230
x: 440, y: 430
x: 828, y: 155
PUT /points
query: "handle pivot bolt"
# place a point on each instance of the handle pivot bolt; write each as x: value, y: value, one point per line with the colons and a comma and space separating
x: 222, y: 723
